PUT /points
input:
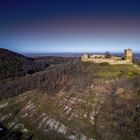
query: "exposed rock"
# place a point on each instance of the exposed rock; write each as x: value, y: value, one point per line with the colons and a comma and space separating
x: 5, y: 117
x: 3, y: 105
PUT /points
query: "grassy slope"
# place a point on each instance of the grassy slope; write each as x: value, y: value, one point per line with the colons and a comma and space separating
x: 107, y: 108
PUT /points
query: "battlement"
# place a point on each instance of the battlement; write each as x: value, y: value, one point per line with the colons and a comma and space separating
x: 126, y: 59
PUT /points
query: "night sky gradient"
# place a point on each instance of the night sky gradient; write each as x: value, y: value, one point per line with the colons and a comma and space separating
x: 41, y: 26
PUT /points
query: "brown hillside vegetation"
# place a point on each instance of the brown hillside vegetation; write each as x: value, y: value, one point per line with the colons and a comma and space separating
x: 51, y: 80
x: 73, y: 101
x: 13, y: 64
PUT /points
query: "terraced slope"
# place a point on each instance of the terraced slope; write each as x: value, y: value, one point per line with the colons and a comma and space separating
x: 91, y: 104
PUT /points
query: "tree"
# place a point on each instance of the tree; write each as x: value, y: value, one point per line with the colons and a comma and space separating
x: 107, y: 55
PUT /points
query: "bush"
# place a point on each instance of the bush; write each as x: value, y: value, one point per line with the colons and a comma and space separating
x: 104, y: 64
x: 136, y: 61
x: 9, y: 67
x: 108, y: 55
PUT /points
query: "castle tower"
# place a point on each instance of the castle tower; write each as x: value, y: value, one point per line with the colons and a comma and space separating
x: 128, y: 55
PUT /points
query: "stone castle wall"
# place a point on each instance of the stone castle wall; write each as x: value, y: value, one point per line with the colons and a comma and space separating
x: 113, y: 60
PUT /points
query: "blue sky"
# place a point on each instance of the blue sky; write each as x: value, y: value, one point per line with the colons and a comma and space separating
x: 72, y: 44
x: 71, y: 41
x: 40, y: 26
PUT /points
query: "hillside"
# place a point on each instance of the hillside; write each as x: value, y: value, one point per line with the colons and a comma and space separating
x: 13, y: 64
x: 73, y: 101
x: 54, y: 60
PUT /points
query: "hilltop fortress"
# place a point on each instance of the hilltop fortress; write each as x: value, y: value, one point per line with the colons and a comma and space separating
x: 126, y: 59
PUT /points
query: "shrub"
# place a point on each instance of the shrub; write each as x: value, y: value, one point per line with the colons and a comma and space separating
x: 107, y: 55
x: 104, y: 64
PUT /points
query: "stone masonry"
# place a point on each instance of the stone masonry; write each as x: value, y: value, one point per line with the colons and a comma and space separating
x: 126, y: 59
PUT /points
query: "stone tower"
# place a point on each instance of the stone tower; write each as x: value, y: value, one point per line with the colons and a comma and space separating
x: 128, y: 55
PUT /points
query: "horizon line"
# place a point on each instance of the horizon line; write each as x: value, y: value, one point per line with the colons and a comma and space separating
x: 76, y: 52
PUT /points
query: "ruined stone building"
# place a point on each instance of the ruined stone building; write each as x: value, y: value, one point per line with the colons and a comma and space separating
x: 126, y: 59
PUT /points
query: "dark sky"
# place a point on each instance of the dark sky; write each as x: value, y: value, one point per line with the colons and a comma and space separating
x: 69, y: 25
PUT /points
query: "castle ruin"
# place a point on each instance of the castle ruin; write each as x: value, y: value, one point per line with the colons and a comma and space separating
x: 126, y: 59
